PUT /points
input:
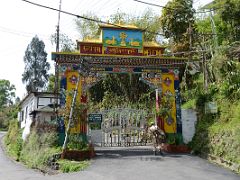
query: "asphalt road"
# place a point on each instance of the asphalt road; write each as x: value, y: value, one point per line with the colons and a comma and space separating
x: 126, y: 164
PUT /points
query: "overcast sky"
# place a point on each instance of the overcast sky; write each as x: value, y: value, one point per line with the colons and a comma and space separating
x: 20, y: 22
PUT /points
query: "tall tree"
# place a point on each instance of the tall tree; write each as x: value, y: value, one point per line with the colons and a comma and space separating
x: 36, y: 66
x: 229, y: 11
x: 7, y: 93
x: 175, y: 20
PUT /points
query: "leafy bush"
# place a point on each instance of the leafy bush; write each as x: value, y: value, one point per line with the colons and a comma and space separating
x: 219, y: 134
x: 75, y: 142
x: 13, y: 140
x: 38, y: 148
x: 72, y: 166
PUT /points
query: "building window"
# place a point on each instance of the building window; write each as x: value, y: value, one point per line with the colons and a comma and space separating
x: 22, y: 115
x: 26, y: 114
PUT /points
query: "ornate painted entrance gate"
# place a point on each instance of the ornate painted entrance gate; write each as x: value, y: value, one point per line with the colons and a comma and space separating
x: 122, y: 50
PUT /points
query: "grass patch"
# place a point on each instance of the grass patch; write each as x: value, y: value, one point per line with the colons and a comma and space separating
x: 72, y: 166
x: 13, y: 140
x: 219, y: 134
x: 35, y: 151
x: 38, y: 148
x: 191, y: 104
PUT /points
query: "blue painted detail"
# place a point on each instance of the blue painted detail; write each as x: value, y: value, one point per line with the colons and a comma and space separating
x: 178, y: 110
x: 62, y: 97
x: 54, y: 56
x: 63, y: 83
x: 61, y: 126
x: 109, y: 69
x: 176, y: 84
x: 165, y: 70
x: 63, y: 87
x: 179, y: 128
x: 75, y: 67
x: 137, y: 70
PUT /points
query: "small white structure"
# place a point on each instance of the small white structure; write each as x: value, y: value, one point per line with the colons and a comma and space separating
x: 36, y: 106
x: 189, y: 120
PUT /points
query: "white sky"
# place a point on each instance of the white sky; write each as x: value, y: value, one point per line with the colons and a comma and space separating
x: 20, y: 22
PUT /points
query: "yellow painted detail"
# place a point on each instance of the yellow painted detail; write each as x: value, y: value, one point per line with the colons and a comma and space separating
x: 169, y: 88
x: 69, y: 96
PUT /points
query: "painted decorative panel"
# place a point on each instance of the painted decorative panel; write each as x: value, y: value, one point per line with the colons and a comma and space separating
x: 122, y: 38
x: 168, y: 102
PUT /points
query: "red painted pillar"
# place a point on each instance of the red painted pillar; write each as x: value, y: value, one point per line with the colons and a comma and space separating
x: 159, y: 120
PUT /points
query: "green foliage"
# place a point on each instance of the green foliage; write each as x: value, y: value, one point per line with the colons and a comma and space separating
x: 51, y: 83
x: 72, y: 166
x: 13, y: 140
x: 191, y: 104
x: 148, y: 20
x: 75, y: 142
x: 175, y: 19
x: 88, y: 29
x: 6, y: 93
x: 38, y: 148
x: 36, y: 66
x: 120, y: 89
x: 217, y: 134
x: 35, y: 151
x: 65, y: 43
x: 229, y: 13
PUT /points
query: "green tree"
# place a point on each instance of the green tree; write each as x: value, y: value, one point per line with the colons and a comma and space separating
x: 175, y: 20
x: 229, y: 11
x: 65, y: 43
x: 7, y: 109
x: 51, y: 83
x: 147, y: 21
x: 7, y: 93
x: 88, y: 29
x: 36, y: 66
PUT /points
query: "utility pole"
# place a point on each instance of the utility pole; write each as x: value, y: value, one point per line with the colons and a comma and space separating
x: 190, y: 41
x: 58, y: 26
x: 56, y: 65
x: 189, y: 31
x: 205, y: 79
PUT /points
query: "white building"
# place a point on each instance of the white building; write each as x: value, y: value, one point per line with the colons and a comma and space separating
x: 36, y: 106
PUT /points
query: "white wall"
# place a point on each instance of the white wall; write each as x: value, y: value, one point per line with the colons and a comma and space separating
x: 32, y: 103
x: 189, y: 120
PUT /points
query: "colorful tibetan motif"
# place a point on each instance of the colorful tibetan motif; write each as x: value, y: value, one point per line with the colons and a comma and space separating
x: 119, y: 51
x: 168, y: 106
x: 122, y: 38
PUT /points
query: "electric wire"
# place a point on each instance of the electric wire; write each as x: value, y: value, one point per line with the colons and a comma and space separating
x: 116, y: 25
x: 86, y: 18
x: 172, y: 9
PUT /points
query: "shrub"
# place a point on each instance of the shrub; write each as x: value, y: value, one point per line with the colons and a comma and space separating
x: 72, y: 166
x: 13, y: 140
x: 38, y: 148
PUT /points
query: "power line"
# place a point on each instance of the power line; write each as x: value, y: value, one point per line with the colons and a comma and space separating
x: 21, y: 33
x: 172, y: 9
x: 86, y: 18
x: 152, y: 4
x: 72, y: 14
